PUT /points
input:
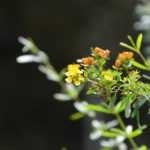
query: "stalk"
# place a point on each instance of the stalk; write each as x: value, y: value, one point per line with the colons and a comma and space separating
x: 142, y: 57
x: 132, y: 142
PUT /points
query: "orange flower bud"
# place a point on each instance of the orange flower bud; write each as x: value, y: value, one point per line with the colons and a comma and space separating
x: 120, y: 55
x: 102, y: 53
x: 98, y: 51
x: 128, y: 55
x: 107, y: 52
x: 125, y: 55
x: 118, y: 63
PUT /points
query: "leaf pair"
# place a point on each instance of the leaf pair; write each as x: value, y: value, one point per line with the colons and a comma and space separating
x: 135, y: 47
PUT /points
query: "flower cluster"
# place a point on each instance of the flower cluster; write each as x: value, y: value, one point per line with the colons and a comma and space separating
x: 88, y: 61
x: 120, y: 89
x: 122, y: 57
x: 74, y: 74
x: 102, y: 53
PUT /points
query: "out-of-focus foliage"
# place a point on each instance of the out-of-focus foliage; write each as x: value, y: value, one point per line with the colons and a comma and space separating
x: 122, y: 79
x: 142, y: 11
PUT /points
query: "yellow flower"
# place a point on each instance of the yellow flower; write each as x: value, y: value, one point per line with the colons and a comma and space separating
x: 107, y: 75
x: 74, y: 74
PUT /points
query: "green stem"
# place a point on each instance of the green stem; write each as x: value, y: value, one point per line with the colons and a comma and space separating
x: 142, y: 57
x: 132, y: 142
x: 61, y: 83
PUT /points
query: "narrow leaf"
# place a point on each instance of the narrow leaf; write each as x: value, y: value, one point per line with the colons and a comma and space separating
x: 128, y: 46
x: 110, y: 134
x: 119, y: 131
x: 91, y: 90
x: 50, y: 74
x: 97, y: 108
x: 139, y: 41
x: 122, y: 105
x: 128, y: 108
x: 138, y: 65
x: 76, y: 116
x: 135, y: 113
x: 142, y: 101
x: 112, y: 102
x: 137, y: 116
x: 131, y: 40
x: 135, y: 133
x: 62, y: 97
x: 92, y: 49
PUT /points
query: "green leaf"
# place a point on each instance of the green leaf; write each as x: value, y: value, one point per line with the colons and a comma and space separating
x: 138, y: 65
x: 62, y: 97
x: 139, y: 41
x: 135, y: 113
x: 137, y: 116
x: 76, y: 116
x: 119, y: 131
x: 128, y: 108
x: 128, y: 46
x: 139, y: 103
x: 109, y: 134
x: 91, y: 90
x: 109, y: 84
x: 135, y: 133
x: 62, y: 73
x: 118, y: 107
x: 98, y: 108
x: 86, y: 74
x: 143, y: 147
x: 92, y: 49
x: 131, y: 40
x: 143, y: 127
x: 121, y: 105
x: 112, y: 102
x: 107, y: 148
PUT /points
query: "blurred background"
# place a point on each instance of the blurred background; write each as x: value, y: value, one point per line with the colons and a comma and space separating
x: 29, y: 116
